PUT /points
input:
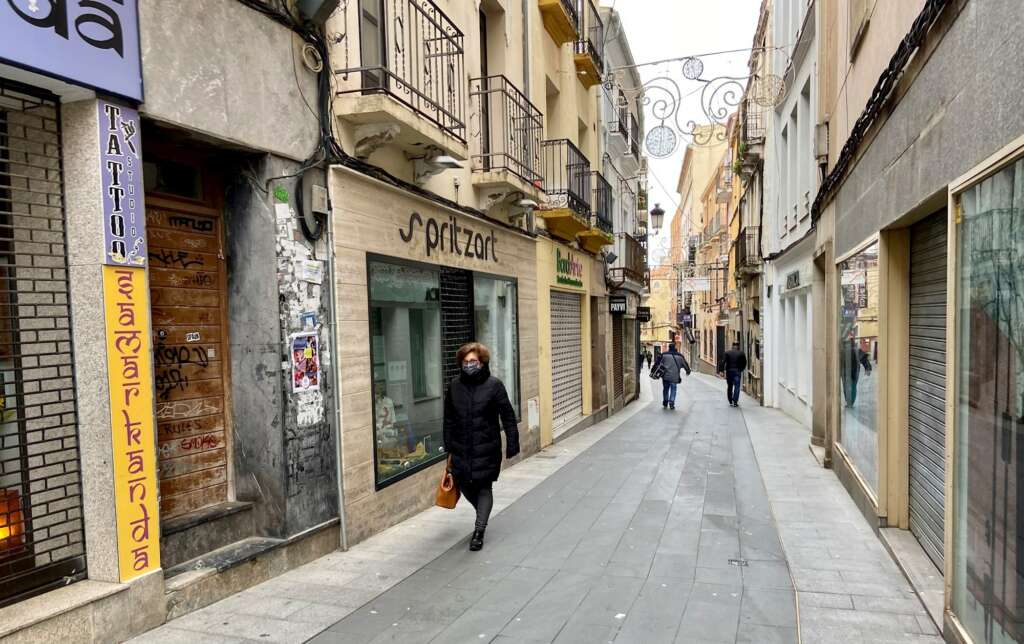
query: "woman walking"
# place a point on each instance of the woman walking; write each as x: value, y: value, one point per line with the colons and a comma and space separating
x: 475, y: 402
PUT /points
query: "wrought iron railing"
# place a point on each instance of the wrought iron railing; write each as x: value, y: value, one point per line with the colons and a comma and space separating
x: 411, y: 51
x: 511, y: 130
x: 591, y: 40
x: 573, y: 11
x: 748, y: 247
x: 622, y: 112
x: 634, y: 136
x: 627, y: 202
x: 753, y: 124
x: 604, y: 204
x: 635, y: 257
x: 566, y: 176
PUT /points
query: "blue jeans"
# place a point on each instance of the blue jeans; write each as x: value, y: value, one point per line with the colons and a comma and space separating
x: 668, y: 392
x: 733, y: 379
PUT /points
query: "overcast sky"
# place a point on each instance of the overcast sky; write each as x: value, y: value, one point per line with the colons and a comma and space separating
x: 659, y: 29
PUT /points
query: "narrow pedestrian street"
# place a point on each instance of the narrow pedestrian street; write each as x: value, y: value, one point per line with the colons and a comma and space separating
x: 706, y: 524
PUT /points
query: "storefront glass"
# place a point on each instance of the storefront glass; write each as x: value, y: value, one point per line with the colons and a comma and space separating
x: 988, y: 526
x: 405, y: 348
x: 858, y: 358
x: 494, y: 303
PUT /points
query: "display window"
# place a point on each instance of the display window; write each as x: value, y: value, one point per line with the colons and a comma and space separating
x: 496, y: 321
x: 409, y: 306
x: 988, y: 522
x: 405, y: 349
x: 858, y: 362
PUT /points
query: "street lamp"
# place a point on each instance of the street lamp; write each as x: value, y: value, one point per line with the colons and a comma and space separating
x: 657, y: 214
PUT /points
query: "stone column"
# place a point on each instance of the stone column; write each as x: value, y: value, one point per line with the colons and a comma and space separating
x: 83, y: 206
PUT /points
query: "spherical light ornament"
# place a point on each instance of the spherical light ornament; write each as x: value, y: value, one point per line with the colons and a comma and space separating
x: 768, y: 90
x: 661, y: 141
x: 693, y: 68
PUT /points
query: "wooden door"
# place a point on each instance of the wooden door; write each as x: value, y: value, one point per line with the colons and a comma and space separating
x: 188, y: 291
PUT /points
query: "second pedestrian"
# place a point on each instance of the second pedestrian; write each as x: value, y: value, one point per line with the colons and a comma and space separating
x: 476, y: 409
x: 670, y: 365
x: 732, y: 364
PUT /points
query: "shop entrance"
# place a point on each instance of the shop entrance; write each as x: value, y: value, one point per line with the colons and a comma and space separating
x: 617, y: 362
x: 188, y: 291
x: 566, y: 359
x: 927, y: 399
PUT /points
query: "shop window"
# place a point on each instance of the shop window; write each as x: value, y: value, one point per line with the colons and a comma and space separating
x: 858, y: 336
x: 497, y: 323
x: 988, y: 521
x: 405, y: 330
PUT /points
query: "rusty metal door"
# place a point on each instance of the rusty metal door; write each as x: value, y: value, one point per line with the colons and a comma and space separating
x: 188, y: 288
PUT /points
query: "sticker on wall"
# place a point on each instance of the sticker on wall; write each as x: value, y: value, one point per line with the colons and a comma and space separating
x: 311, y: 270
x: 305, y: 362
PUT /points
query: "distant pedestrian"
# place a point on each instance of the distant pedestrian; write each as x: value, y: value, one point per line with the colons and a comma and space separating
x: 650, y: 359
x: 670, y: 364
x: 731, y: 366
x: 475, y: 403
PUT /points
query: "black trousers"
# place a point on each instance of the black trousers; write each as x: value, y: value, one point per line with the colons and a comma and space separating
x: 480, y: 495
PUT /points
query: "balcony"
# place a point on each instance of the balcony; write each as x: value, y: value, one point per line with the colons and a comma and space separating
x: 632, y: 266
x: 753, y: 123
x: 748, y: 251
x: 406, y: 87
x: 600, y: 231
x: 589, y: 56
x: 566, y: 211
x: 508, y: 154
x: 561, y: 19
x: 634, y: 137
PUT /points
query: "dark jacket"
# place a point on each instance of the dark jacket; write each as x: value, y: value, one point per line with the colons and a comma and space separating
x: 673, y: 364
x: 855, y: 359
x: 472, y: 436
x: 733, y: 360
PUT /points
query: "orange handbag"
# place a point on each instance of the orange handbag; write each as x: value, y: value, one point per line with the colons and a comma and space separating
x: 447, y: 491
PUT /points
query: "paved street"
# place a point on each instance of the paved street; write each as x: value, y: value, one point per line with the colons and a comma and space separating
x: 708, y: 524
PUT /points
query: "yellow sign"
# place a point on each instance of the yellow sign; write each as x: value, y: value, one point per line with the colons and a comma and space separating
x: 130, y: 372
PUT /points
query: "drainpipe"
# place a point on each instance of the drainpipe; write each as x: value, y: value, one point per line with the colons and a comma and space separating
x: 336, y: 390
x: 526, y: 49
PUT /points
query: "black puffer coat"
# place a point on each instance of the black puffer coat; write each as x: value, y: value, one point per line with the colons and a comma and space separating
x: 472, y: 409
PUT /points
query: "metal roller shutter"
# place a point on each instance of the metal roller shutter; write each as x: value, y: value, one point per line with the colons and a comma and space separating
x: 928, y: 383
x: 43, y: 544
x: 566, y: 358
x: 456, y: 317
x: 617, y: 356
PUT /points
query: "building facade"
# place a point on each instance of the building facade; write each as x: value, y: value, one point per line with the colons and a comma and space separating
x: 790, y: 184
x: 915, y: 231
x: 233, y: 299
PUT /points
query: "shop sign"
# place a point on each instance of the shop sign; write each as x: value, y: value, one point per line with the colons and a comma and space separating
x: 130, y: 377
x: 93, y: 43
x: 617, y: 304
x: 452, y: 238
x: 643, y: 314
x: 568, y: 269
x: 793, y: 280
x: 124, y: 217
x: 694, y: 284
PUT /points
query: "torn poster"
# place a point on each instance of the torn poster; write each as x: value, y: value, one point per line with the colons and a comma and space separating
x: 305, y: 362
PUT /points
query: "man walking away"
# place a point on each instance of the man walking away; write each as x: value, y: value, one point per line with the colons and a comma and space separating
x: 671, y: 365
x: 732, y: 365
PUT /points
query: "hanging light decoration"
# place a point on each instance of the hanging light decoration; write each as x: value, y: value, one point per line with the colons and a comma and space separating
x: 657, y: 216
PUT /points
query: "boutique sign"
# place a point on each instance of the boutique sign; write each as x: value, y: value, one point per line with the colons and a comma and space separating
x: 94, y: 43
x: 451, y: 237
x: 568, y: 269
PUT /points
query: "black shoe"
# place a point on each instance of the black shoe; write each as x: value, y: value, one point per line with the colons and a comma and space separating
x: 671, y: 405
x: 477, y: 542
x: 664, y: 405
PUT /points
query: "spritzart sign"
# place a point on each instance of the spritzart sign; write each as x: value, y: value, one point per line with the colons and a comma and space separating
x: 130, y: 375
x: 94, y: 43
x: 452, y: 238
x: 568, y: 269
